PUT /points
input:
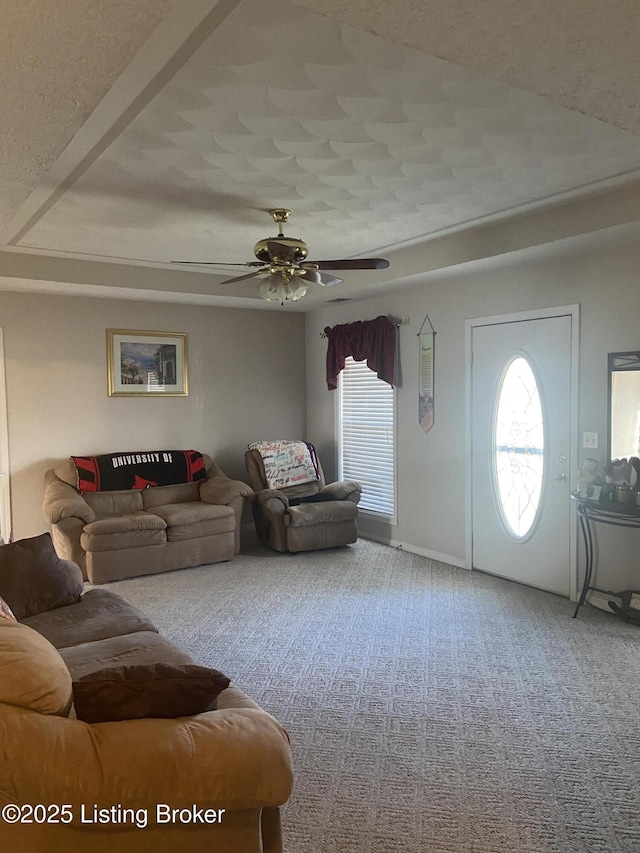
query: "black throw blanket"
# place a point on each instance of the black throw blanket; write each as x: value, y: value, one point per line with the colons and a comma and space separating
x: 138, y: 470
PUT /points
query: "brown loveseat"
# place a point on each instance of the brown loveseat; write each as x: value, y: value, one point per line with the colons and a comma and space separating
x: 124, y: 533
x: 235, y: 758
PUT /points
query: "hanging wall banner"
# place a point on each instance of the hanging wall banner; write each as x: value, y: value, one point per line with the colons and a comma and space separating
x: 426, y: 363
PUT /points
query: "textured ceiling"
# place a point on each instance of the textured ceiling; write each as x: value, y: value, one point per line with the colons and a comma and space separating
x: 373, y: 142
x: 582, y: 54
x: 58, y: 59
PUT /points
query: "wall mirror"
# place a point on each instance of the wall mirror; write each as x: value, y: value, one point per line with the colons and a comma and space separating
x: 624, y: 404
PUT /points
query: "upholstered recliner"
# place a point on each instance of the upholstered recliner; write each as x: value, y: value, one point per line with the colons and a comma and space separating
x: 305, y: 516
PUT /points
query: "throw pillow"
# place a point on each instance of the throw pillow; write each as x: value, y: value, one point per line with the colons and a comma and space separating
x: 33, y: 579
x: 33, y: 674
x: 6, y: 612
x: 146, y: 690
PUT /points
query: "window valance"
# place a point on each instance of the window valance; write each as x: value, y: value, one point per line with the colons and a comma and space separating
x: 370, y: 340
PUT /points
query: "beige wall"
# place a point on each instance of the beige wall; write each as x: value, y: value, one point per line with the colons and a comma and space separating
x: 246, y: 381
x: 603, y: 280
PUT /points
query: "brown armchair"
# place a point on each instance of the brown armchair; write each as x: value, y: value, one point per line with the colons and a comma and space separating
x: 304, y: 517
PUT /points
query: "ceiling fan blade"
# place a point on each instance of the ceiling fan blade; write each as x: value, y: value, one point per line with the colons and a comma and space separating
x: 316, y: 277
x: 351, y: 264
x: 281, y: 251
x: 241, y: 277
x: 221, y: 263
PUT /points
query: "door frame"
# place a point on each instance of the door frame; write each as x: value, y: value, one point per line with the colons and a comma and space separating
x: 5, y: 489
x: 538, y: 314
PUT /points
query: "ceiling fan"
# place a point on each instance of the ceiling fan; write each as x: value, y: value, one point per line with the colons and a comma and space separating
x: 283, y: 261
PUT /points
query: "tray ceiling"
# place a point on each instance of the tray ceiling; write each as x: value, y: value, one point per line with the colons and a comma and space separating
x: 375, y: 146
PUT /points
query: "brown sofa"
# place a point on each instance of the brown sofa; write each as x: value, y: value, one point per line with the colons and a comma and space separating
x: 126, y: 533
x: 236, y: 757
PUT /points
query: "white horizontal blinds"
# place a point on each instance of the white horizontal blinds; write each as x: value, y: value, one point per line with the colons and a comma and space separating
x: 367, y: 436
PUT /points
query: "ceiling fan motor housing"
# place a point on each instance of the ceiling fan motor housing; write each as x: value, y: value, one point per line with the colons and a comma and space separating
x: 297, y: 248
x: 288, y: 273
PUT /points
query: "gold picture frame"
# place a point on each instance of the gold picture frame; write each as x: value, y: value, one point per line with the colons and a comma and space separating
x: 146, y: 364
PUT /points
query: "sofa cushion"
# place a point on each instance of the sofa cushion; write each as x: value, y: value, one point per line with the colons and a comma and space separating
x: 322, y: 513
x: 112, y: 503
x: 34, y: 579
x: 141, y: 647
x: 33, y: 674
x: 196, y: 518
x: 126, y: 523
x: 6, y: 612
x: 99, y: 615
x: 162, y: 495
x: 150, y: 690
x: 116, y: 532
x: 304, y: 491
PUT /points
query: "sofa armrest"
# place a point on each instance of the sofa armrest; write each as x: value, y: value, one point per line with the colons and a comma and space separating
x: 272, y: 500
x: 343, y: 491
x: 63, y: 501
x: 234, y: 759
x: 219, y: 489
x: 223, y: 491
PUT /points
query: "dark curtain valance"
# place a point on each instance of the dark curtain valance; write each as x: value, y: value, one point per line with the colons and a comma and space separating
x: 373, y: 340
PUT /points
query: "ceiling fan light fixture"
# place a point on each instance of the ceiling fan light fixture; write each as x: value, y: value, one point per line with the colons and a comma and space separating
x: 278, y: 288
x: 288, y: 272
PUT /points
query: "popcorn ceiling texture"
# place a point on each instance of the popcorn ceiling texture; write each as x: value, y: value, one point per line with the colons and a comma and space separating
x: 58, y: 59
x: 375, y: 122
x: 582, y: 54
x: 373, y: 142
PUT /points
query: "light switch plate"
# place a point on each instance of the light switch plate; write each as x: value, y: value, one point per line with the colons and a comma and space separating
x: 590, y: 440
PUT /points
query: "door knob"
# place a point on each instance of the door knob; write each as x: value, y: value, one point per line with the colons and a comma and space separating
x: 561, y: 478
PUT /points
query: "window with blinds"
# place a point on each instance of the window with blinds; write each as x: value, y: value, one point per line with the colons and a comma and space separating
x: 366, y: 436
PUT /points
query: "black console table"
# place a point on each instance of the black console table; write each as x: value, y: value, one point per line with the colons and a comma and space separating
x: 589, y: 512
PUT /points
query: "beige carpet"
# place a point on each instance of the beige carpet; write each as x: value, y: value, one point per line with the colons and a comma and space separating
x: 431, y: 709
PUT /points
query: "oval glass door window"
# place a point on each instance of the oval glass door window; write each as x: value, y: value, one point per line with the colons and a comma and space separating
x: 518, y: 448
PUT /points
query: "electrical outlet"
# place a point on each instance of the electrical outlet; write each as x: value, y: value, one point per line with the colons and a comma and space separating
x: 590, y: 440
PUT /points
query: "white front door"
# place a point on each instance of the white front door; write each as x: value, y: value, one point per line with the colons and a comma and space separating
x: 521, y: 454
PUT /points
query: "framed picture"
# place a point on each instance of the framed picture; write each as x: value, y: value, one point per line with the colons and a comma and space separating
x: 149, y: 364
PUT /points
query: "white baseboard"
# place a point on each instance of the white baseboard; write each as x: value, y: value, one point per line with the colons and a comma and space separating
x: 393, y: 543
x: 601, y: 599
x: 414, y: 549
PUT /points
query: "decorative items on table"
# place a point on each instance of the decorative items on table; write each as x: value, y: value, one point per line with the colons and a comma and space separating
x: 625, y: 494
x: 623, y: 471
x: 590, y: 480
x: 622, y: 481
